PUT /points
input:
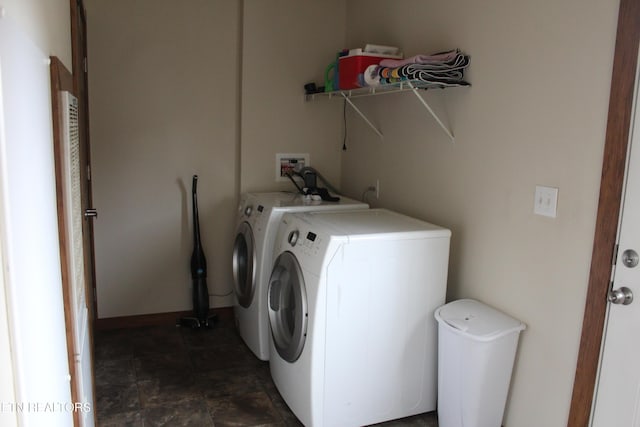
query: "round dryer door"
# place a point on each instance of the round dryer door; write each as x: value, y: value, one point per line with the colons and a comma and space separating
x: 244, y: 264
x: 288, y: 307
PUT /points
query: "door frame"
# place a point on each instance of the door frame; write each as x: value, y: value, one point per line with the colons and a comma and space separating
x: 613, y: 169
x: 79, y: 80
x: 81, y: 90
x: 61, y: 81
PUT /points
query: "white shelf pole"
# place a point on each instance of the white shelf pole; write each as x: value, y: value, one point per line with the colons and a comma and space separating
x: 346, y: 98
x: 426, y: 105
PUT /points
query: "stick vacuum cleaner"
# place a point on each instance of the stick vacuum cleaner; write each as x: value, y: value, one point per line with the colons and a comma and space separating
x: 201, y: 317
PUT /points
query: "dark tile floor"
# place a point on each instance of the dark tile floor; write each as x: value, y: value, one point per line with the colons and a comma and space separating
x: 169, y: 376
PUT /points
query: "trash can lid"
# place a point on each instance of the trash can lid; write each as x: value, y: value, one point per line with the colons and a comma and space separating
x: 476, y: 320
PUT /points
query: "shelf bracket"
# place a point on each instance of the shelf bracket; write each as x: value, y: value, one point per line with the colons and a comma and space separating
x: 433, y: 114
x: 361, y: 114
x: 405, y: 85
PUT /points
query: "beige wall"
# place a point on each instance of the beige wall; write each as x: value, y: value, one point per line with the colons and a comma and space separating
x: 164, y: 90
x: 535, y: 115
x: 287, y: 43
x: 165, y: 103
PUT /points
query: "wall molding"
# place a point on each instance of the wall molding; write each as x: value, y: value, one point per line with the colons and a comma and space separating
x: 157, y: 319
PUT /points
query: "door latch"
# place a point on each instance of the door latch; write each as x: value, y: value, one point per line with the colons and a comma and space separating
x: 621, y: 295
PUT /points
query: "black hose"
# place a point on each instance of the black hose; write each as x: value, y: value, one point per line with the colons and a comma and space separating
x: 327, y: 183
x: 295, y: 183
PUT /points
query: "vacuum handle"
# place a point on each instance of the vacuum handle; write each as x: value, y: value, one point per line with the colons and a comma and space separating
x: 196, y: 219
x: 194, y: 184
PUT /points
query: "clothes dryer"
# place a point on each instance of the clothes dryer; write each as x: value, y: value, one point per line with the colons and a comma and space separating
x: 257, y: 223
x: 351, y: 300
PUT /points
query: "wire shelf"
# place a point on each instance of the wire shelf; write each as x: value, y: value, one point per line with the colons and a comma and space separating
x: 402, y: 86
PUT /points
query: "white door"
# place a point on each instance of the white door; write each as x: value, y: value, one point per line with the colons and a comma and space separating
x: 617, y: 400
x: 73, y: 218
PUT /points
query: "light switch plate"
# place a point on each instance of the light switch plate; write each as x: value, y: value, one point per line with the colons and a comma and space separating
x: 546, y: 201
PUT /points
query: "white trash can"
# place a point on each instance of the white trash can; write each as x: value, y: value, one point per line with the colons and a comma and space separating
x: 476, y: 350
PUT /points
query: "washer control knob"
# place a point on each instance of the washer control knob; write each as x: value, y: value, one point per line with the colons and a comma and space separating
x: 248, y: 210
x: 293, y: 237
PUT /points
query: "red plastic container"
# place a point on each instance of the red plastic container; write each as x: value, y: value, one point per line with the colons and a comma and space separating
x: 350, y: 66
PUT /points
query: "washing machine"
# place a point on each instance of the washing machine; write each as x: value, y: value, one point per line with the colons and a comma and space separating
x: 257, y: 223
x: 351, y: 300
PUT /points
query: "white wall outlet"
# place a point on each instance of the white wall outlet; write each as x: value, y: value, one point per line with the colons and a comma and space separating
x: 546, y: 201
x: 373, y: 188
x: 290, y: 162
